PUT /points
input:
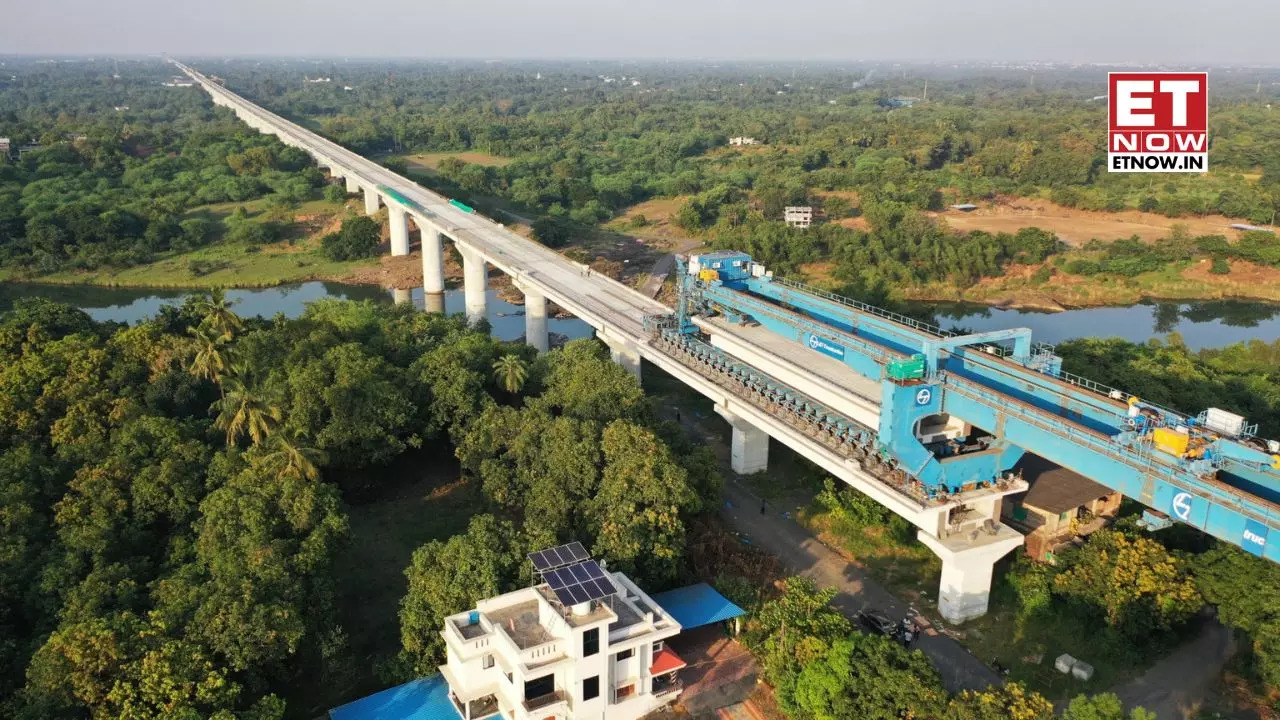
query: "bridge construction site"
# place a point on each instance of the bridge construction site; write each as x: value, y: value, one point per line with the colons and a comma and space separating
x: 928, y: 423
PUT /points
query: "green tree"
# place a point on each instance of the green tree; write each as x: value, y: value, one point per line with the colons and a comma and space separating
x: 1010, y: 701
x: 446, y: 578
x: 242, y: 411
x: 868, y: 676
x: 217, y: 313
x: 1105, y: 706
x: 1135, y: 584
x: 213, y: 354
x: 510, y: 371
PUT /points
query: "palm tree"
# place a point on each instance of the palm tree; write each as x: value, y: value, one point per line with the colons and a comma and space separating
x: 217, y: 313
x: 213, y: 357
x: 288, y: 456
x: 510, y: 371
x: 241, y: 411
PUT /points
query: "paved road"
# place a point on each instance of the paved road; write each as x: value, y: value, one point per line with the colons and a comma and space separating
x: 802, y: 553
x: 1175, y: 687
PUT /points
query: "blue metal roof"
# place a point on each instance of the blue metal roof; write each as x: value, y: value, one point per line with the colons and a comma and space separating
x: 697, y: 605
x: 422, y: 699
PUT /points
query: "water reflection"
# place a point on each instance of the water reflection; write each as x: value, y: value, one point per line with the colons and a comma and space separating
x: 1201, y: 324
x: 133, y: 304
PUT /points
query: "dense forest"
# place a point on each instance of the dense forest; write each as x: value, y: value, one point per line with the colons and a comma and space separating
x: 103, y: 170
x: 173, y: 494
x: 587, y: 142
x: 122, y: 161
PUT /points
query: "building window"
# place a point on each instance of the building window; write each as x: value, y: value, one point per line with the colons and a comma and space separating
x: 487, y: 662
x: 626, y: 691
x: 625, y: 654
x: 591, y: 688
x: 591, y: 642
x: 657, y: 647
x: 544, y: 685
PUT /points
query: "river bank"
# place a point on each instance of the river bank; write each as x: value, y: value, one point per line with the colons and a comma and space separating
x: 1019, y: 288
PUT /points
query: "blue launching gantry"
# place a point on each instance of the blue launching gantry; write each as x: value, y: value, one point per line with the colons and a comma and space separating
x: 957, y: 411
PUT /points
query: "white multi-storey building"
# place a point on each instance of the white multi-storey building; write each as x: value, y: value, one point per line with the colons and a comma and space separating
x: 799, y: 216
x: 527, y: 656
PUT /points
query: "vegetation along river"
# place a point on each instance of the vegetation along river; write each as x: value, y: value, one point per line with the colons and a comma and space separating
x: 1204, y: 324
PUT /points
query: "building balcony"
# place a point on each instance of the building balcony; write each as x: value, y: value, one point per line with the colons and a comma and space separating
x: 546, y: 703
x: 664, y: 686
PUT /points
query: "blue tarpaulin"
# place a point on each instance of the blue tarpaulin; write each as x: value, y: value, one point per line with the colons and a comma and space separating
x: 697, y: 605
x: 422, y: 699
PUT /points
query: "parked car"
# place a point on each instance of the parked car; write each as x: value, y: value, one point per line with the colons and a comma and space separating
x: 877, y: 623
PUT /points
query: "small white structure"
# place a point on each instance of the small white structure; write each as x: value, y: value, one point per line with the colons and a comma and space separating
x: 743, y: 141
x: 528, y: 656
x: 798, y: 216
x: 5, y: 145
x: 179, y: 82
x: 316, y: 80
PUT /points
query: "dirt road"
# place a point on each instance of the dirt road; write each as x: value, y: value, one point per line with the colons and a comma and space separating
x: 1175, y: 687
x: 804, y: 554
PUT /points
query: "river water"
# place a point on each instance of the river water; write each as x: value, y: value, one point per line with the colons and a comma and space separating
x: 1201, y: 324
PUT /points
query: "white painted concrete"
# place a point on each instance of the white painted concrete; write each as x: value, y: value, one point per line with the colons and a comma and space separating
x: 401, y: 296
x: 535, y: 320
x: 475, y: 279
x: 370, y: 200
x: 964, y: 589
x: 353, y: 185
x: 432, y: 258
x: 399, y: 220
x: 749, y: 449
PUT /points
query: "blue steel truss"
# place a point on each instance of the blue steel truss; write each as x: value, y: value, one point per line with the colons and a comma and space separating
x: 1002, y: 383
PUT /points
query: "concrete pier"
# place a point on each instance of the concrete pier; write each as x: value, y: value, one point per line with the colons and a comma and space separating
x: 399, y: 221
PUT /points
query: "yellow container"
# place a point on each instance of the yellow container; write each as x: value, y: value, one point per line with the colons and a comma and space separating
x: 708, y: 275
x: 1170, y: 441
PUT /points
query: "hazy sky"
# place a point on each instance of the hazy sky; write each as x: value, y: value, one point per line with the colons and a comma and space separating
x: 1165, y: 31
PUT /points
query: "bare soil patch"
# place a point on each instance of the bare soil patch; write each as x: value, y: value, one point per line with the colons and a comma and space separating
x: 1077, y: 227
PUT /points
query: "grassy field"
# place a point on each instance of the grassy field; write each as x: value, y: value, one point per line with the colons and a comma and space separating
x: 225, y: 264
x: 428, y: 162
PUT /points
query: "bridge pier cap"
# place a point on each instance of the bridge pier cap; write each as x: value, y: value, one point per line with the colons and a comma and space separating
x: 964, y: 588
x: 749, y: 449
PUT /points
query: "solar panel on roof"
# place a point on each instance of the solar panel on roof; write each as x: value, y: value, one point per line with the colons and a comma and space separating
x: 558, y: 557
x: 579, y: 583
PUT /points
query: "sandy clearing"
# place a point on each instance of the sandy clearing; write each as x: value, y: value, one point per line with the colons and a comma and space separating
x: 1077, y: 227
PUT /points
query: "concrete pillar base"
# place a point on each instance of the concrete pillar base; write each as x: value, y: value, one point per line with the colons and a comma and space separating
x: 353, y: 186
x: 624, y: 354
x: 401, y: 296
x: 433, y: 302
x: 370, y: 200
x: 475, y: 280
x: 535, y: 320
x: 432, y: 259
x: 399, y: 221
x: 750, y: 446
x: 964, y: 589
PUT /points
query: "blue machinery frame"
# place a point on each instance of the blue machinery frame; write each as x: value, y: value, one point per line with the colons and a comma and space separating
x: 1013, y: 390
